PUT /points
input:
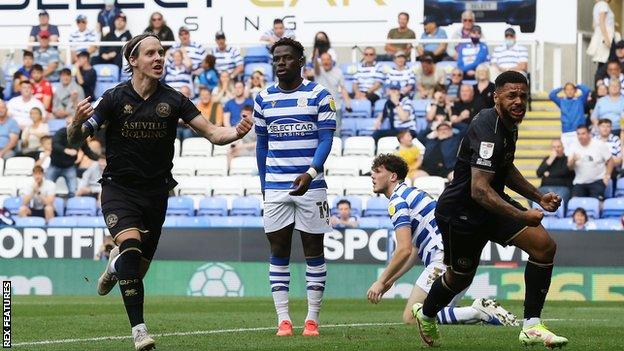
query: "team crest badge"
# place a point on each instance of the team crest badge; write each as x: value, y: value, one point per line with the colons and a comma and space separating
x: 486, y: 150
x: 127, y: 109
x: 163, y: 110
x: 302, y: 102
x: 332, y: 104
x: 391, y: 210
x: 111, y: 220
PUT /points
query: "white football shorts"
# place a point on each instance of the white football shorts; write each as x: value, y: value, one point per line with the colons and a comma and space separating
x: 435, y: 269
x: 310, y: 212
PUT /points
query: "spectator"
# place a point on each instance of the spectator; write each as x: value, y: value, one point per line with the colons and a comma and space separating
x: 441, y: 148
x: 210, y: 109
x: 44, y: 157
x: 158, y: 26
x: 229, y: 58
x: 467, y: 21
x: 343, y: 219
x: 554, y: 171
x: 276, y: 33
x: 104, y: 251
x: 579, y: 217
x: 572, y: 108
x: 604, y: 29
x: 67, y: 95
x: 439, y: 109
x: 232, y: 109
x: 44, y: 25
x: 85, y: 74
x: 432, y: 32
x: 368, y: 79
x: 194, y: 50
x: 256, y: 83
x: 20, y: 106
x: 398, y: 110
x: 592, y: 164
x: 247, y: 145
x: 224, y: 91
x: 62, y: 160
x: 610, y: 106
x: 619, y: 57
x: 330, y: 76
x: 472, y: 54
x: 601, y: 91
x: 9, y: 133
x: 28, y: 60
x: 484, y: 89
x: 82, y: 35
x: 402, y: 32
x: 614, y: 72
x: 428, y: 76
x: 42, y: 89
x: 409, y: 153
x: 178, y: 71
x: 466, y: 107
x: 88, y: 155
x: 89, y: 183
x: 31, y: 136
x: 38, y: 197
x: 209, y: 78
x: 323, y: 45
x: 613, y: 141
x: 453, y: 85
x: 48, y: 57
x: 112, y: 54
x: 106, y: 18
x: 510, y: 56
x: 18, y: 78
x: 401, y: 74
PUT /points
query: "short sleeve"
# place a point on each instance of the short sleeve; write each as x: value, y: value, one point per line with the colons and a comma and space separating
x: 14, y: 127
x: 53, y: 30
x: 605, y: 151
x: 483, y: 148
x: 523, y: 54
x: 54, y: 56
x: 399, y: 213
x: 259, y: 121
x: 188, y: 110
x: 326, y: 110
x: 226, y: 107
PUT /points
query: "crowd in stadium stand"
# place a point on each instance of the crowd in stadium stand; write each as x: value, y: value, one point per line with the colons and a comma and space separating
x: 418, y: 108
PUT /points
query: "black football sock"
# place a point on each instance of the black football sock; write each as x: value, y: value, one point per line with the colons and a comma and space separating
x: 537, y: 281
x: 440, y: 295
x: 130, y: 282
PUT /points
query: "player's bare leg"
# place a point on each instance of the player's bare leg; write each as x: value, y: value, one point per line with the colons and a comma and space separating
x: 316, y: 275
x: 279, y: 276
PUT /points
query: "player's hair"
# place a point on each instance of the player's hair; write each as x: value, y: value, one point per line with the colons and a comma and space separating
x: 404, y: 14
x: 37, y: 67
x: 285, y: 41
x: 132, y: 48
x: 511, y: 77
x: 28, y: 53
x: 37, y: 169
x: 582, y: 126
x: 604, y: 120
x: 65, y: 71
x: 392, y: 163
x: 278, y: 21
x: 343, y: 201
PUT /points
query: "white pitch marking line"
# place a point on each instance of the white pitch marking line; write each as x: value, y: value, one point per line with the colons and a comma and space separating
x: 197, y: 332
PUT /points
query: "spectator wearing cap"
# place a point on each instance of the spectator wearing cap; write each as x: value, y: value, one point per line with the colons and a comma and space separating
x: 9, y: 133
x: 178, y: 73
x: 277, y: 32
x: 44, y: 24
x: 38, y: 196
x: 330, y: 76
x: 605, y: 135
x: 232, y: 109
x: 510, y: 56
x: 48, y: 57
x: 463, y: 32
x: 28, y: 60
x: 428, y: 76
x: 614, y: 72
x: 401, y: 74
x: 67, y: 96
x: 484, y: 89
x: 82, y: 35
x: 441, y: 147
x: 432, y: 32
x: 106, y: 18
x: 194, y: 50
x: 158, y: 26
x: 454, y: 83
x: 402, y: 32
x: 368, y: 78
x: 209, y: 77
x: 399, y: 110
x: 571, y: 100
x: 112, y: 54
x: 466, y: 107
x: 472, y: 54
x: 42, y: 89
x: 228, y: 58
x: 20, y: 106
x: 85, y: 74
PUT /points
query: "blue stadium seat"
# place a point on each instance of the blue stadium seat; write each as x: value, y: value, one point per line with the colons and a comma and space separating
x: 257, y: 54
x: 12, y: 204
x: 265, y: 68
x: 608, y: 224
x: 59, y: 206
x: 171, y: 222
x: 609, y: 190
x: 561, y: 224
x: 90, y: 222
x: 81, y: 206
x: 369, y: 222
x: 356, y: 205
x: 55, y: 124
x: 107, y: 72
x: 421, y: 124
x: 252, y: 222
x: 589, y: 204
x: 348, y: 127
x: 619, y: 187
x: 227, y: 222
x: 365, y: 126
x: 376, y: 206
x: 63, y: 222
x: 360, y: 107
x: 557, y: 214
x: 613, y: 207
x: 180, y: 206
x: 385, y: 223
x: 30, y: 222
x: 379, y: 106
x: 212, y: 206
x: 245, y: 206
x: 193, y: 222
x: 420, y: 107
x: 101, y: 87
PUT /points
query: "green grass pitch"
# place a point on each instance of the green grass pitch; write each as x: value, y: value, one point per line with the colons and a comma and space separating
x: 180, y: 323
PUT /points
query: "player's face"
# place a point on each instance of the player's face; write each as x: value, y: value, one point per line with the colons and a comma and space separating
x: 287, y: 63
x: 151, y: 58
x: 511, y: 100
x: 381, y: 179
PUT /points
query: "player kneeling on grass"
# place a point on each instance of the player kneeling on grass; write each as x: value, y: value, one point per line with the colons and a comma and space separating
x: 417, y: 235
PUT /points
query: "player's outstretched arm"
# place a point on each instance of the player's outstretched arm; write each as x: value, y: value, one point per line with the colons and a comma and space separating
x: 398, y: 260
x: 77, y: 132
x: 222, y: 135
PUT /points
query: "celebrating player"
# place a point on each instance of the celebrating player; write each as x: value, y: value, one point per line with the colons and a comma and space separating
x: 141, y: 116
x: 295, y: 123
x: 417, y: 236
x: 474, y: 209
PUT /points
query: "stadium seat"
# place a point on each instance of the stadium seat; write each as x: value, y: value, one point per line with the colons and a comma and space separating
x: 613, y: 207
x: 243, y: 165
x: 608, y: 224
x: 619, y: 188
x: 55, y: 124
x: 589, y: 204
x: 359, y: 186
x: 227, y: 222
x: 107, y: 72
x: 561, y: 224
x: 356, y: 205
x: 81, y: 206
x: 59, y: 206
x: 609, y: 190
x: 193, y: 222
x: 376, y: 206
x: 365, y: 164
x: 421, y: 124
x: 252, y: 222
x: 1, y: 166
x: 360, y: 108
x: 348, y: 127
x: 365, y: 126
x: 420, y: 107
x: 245, y: 206
x: 90, y: 222
x: 12, y: 204
x: 251, y: 185
x: 264, y: 68
x: 185, y: 166
x: 257, y: 54
x: 557, y: 214
x: 177, y: 146
x: 213, y: 206
x: 63, y: 222
x: 231, y: 185
x: 19, y: 166
x: 336, y: 149
x: 180, y: 206
x: 335, y: 185
x: 379, y: 106
x: 342, y: 166
x: 102, y: 87
x: 170, y: 222
x: 196, y: 147
x: 385, y: 223
x: 213, y: 166
x: 193, y: 186
x: 220, y: 150
x: 369, y: 222
x: 387, y: 145
x: 30, y: 222
x: 434, y: 186
x: 359, y: 145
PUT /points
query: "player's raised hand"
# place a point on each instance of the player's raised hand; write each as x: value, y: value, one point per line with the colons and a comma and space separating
x: 84, y: 111
x: 533, y: 217
x: 550, y: 202
x: 375, y: 292
x: 244, y: 126
x: 301, y: 184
